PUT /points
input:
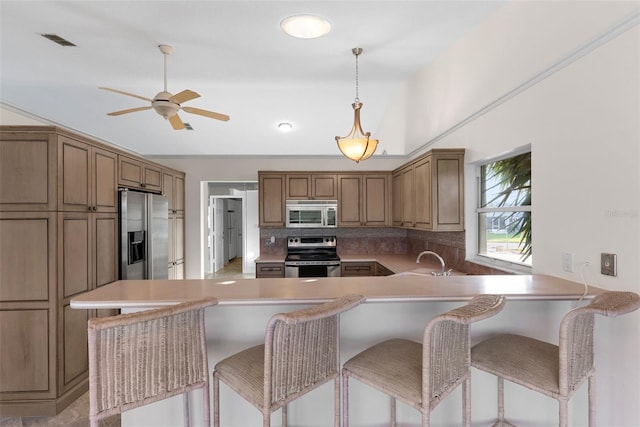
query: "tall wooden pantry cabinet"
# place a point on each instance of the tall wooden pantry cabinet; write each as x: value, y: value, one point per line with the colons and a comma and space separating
x: 58, y: 238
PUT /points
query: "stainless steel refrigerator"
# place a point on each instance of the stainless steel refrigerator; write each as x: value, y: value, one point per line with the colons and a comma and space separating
x: 144, y: 235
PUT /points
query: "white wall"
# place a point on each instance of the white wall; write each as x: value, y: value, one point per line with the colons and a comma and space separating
x: 583, y: 123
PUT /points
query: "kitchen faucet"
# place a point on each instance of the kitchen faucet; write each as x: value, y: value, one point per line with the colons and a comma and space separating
x: 435, y: 273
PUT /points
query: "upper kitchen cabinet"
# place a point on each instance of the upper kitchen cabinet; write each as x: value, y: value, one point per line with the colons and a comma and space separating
x: 315, y: 186
x: 87, y: 177
x: 403, y: 197
x: 363, y: 199
x: 428, y: 193
x: 135, y: 173
x: 271, y: 199
x: 173, y: 189
x: 27, y: 165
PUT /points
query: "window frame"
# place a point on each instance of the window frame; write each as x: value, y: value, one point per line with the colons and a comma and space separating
x: 484, y: 259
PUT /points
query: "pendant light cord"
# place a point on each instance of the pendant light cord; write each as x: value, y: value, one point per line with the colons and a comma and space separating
x: 357, y: 51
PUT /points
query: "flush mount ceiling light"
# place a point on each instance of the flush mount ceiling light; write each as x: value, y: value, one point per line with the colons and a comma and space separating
x: 285, y: 127
x: 305, y: 26
x: 357, y: 145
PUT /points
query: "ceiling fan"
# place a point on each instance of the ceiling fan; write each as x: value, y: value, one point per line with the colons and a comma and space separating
x: 167, y: 104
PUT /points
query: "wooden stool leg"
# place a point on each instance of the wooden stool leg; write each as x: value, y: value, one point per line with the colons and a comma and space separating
x: 345, y: 400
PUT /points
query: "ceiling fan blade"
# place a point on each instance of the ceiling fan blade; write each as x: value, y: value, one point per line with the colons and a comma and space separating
x: 130, y: 110
x: 184, y: 96
x: 176, y: 122
x: 125, y: 93
x: 206, y: 113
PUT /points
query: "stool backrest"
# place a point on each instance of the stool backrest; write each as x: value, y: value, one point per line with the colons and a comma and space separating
x: 302, y: 349
x: 576, y: 335
x: 447, y: 345
x: 139, y: 358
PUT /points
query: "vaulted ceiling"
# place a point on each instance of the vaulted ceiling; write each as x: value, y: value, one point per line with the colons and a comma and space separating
x: 234, y: 54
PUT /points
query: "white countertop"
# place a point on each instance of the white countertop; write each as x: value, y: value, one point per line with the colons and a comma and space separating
x: 266, y: 291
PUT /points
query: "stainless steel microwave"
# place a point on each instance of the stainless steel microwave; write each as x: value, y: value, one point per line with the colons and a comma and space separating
x: 312, y: 213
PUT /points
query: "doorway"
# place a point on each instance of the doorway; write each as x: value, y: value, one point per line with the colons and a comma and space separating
x: 231, y: 240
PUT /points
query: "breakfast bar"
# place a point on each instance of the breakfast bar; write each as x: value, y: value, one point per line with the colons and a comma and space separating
x: 396, y: 306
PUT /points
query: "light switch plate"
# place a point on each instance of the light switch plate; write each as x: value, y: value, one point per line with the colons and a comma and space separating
x: 608, y: 264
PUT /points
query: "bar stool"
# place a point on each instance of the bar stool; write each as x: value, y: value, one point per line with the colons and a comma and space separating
x: 556, y: 371
x: 140, y: 358
x: 300, y: 353
x: 421, y: 375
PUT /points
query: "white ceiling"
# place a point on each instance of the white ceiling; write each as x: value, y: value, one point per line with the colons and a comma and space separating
x: 234, y: 54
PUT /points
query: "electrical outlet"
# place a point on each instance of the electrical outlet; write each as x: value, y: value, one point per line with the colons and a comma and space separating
x: 608, y: 265
x: 567, y: 262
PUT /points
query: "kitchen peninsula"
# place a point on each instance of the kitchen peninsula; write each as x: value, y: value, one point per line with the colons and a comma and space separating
x: 396, y: 306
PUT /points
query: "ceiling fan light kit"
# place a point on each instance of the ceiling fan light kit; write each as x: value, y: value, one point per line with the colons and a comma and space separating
x: 357, y: 145
x: 165, y: 103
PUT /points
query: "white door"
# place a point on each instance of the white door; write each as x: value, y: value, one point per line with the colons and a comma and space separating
x: 217, y: 214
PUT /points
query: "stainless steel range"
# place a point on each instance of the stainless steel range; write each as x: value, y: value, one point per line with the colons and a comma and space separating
x: 312, y: 257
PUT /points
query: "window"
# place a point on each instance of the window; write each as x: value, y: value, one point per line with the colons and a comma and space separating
x: 504, y: 212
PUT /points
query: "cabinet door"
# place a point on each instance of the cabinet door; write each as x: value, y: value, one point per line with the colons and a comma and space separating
x: 130, y: 172
x: 27, y: 256
x: 396, y: 202
x: 25, y: 368
x: 408, y: 197
x: 179, y: 239
x: 298, y: 186
x: 152, y: 178
x: 271, y: 193
x: 168, y: 190
x: 27, y: 171
x: 353, y: 269
x: 178, y: 192
x: 105, y: 248
x: 74, y: 253
x: 423, y: 194
x: 74, y: 167
x: 74, y: 360
x: 349, y: 200
x: 450, y: 193
x: 324, y: 187
x: 104, y: 180
x: 270, y: 269
x: 376, y: 200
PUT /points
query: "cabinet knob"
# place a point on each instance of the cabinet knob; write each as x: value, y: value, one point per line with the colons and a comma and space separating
x: 142, y: 184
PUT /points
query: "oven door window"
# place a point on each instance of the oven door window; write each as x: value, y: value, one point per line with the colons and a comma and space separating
x: 312, y: 271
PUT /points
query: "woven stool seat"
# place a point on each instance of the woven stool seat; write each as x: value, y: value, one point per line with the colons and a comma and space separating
x: 422, y: 374
x: 556, y: 371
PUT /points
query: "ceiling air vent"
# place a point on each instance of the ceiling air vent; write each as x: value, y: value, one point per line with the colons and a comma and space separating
x: 187, y: 126
x: 57, y: 39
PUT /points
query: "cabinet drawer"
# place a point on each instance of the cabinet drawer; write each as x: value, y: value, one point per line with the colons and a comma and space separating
x: 357, y: 269
x: 270, y: 269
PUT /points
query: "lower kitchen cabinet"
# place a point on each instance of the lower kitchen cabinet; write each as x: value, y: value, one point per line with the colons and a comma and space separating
x: 357, y: 268
x: 269, y: 269
x: 47, y: 258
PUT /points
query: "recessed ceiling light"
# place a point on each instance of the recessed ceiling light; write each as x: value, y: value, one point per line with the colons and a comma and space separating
x: 285, y: 126
x: 305, y: 26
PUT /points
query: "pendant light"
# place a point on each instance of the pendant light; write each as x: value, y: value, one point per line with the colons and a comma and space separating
x: 357, y: 145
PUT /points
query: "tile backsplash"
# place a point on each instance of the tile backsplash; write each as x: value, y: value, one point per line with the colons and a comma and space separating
x: 384, y: 240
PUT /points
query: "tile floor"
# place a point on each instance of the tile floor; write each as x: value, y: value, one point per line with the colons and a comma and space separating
x: 77, y: 414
